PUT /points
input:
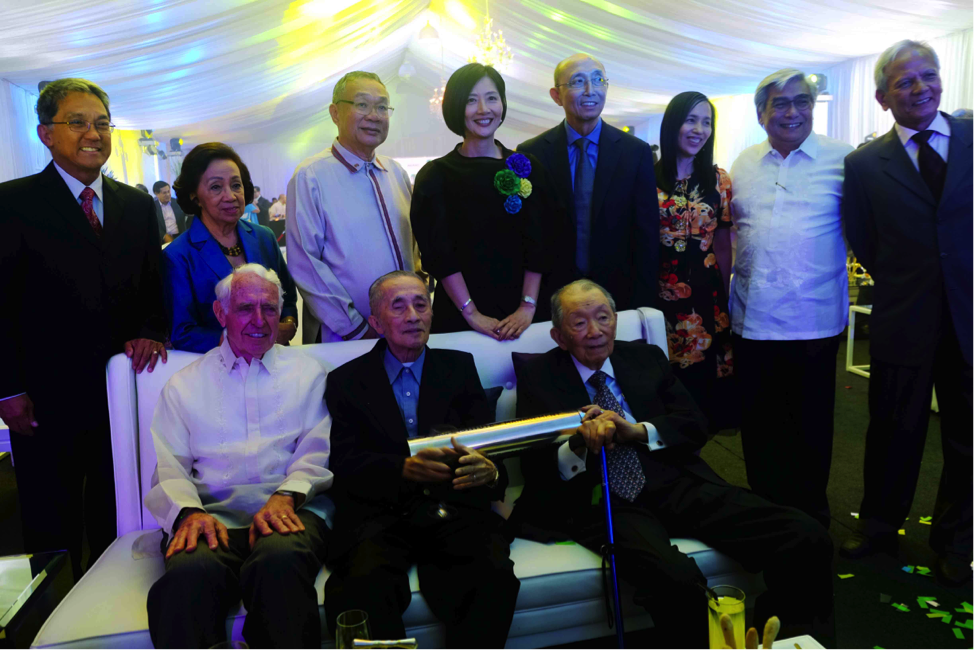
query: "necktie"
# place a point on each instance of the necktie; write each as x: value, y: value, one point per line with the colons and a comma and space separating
x: 933, y: 169
x: 626, y: 477
x: 584, y: 179
x: 87, y: 197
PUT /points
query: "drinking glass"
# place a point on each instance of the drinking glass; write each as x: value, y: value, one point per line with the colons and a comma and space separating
x: 351, y: 625
x: 730, y: 601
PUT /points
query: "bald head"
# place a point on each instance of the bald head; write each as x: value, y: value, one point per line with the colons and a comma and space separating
x: 561, y: 74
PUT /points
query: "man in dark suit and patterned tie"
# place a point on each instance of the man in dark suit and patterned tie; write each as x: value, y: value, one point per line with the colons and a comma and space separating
x: 651, y: 428
x: 604, y: 177
x: 80, y: 255
x: 394, y: 510
x: 908, y: 212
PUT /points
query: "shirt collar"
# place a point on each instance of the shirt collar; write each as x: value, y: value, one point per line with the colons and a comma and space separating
x: 77, y: 186
x: 586, y: 372
x: 269, y: 360
x: 593, y: 137
x: 939, y: 124
x: 809, y: 147
x: 352, y: 162
x: 393, y: 365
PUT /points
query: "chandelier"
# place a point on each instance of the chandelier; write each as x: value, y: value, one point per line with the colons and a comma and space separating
x: 491, y: 50
x: 436, y: 101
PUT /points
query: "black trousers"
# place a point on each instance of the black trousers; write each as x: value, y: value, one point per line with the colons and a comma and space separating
x: 189, y: 605
x: 792, y: 549
x: 65, y: 477
x: 787, y: 419
x: 465, y: 574
x: 899, y: 412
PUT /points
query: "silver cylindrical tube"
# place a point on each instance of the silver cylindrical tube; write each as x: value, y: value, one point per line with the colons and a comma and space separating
x: 507, y: 436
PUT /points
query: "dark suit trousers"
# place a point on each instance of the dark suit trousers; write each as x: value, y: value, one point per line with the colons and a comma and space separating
x: 189, y: 605
x: 787, y: 419
x: 899, y: 412
x: 792, y: 549
x: 65, y: 476
x: 465, y: 574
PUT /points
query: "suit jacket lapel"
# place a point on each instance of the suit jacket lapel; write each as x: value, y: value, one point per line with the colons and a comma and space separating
x: 209, y: 250
x: 900, y: 167
x: 605, y: 168
x: 248, y: 239
x: 556, y: 151
x: 374, y: 390
x: 567, y: 381
x: 114, y: 206
x: 433, y: 394
x: 58, y: 196
x: 958, y: 156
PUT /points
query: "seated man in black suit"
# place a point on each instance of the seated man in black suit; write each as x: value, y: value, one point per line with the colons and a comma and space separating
x: 393, y: 509
x: 171, y: 218
x: 650, y: 428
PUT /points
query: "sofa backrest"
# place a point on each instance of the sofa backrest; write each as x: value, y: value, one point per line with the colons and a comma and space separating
x: 132, y: 398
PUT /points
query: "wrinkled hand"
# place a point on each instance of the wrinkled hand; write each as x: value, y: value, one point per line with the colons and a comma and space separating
x: 18, y: 413
x: 626, y: 431
x: 476, y: 468
x: 771, y: 629
x: 514, y: 325
x: 484, y: 324
x: 145, y: 352
x: 276, y: 515
x: 595, y: 432
x: 285, y: 332
x: 427, y: 466
x: 189, y: 531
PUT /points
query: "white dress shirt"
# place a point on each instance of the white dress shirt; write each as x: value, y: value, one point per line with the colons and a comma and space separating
x: 569, y: 463
x: 77, y: 187
x: 347, y: 224
x: 169, y: 217
x: 228, y: 434
x: 790, y: 279
x: 940, y: 140
x: 277, y: 211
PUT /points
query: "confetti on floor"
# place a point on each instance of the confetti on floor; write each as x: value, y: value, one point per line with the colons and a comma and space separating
x: 901, y: 531
x: 855, y: 515
x: 967, y: 624
x: 926, y: 520
x: 935, y: 615
x: 922, y: 570
x: 967, y: 607
x: 924, y: 601
x: 901, y: 607
x: 959, y: 633
x: 908, y: 568
x: 843, y: 576
x: 946, y: 619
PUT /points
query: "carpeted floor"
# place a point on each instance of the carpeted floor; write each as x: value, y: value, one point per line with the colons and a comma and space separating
x: 862, y: 619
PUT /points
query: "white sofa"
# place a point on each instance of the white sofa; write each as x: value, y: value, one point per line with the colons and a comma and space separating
x: 561, y: 596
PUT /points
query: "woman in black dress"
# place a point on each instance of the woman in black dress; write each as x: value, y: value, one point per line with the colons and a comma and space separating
x: 480, y: 215
x: 695, y: 257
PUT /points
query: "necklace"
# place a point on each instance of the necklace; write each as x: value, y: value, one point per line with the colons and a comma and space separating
x: 233, y: 251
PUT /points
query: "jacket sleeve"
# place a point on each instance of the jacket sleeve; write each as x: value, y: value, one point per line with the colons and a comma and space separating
x: 683, y: 424
x: 859, y: 226
x: 12, y: 267
x: 290, y: 307
x: 645, y: 233
x: 188, y: 332
x: 432, y: 224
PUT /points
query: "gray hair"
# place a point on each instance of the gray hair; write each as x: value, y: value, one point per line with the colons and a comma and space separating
x: 224, y: 287
x: 894, y: 52
x: 57, y: 90
x: 558, y: 313
x: 779, y: 80
x: 375, y: 291
x: 339, y: 91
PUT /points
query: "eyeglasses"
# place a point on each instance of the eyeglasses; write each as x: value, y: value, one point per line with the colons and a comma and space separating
x: 577, y: 83
x: 80, y: 126
x: 801, y: 103
x: 365, y: 108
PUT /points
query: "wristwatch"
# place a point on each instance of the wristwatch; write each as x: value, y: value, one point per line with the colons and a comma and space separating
x: 531, y: 301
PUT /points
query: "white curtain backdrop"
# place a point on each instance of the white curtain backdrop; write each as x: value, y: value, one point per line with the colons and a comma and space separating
x: 857, y: 113
x: 21, y: 152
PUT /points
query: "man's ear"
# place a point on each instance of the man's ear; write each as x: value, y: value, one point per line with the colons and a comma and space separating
x: 45, y: 135
x: 881, y: 98
x: 219, y: 313
x: 376, y: 325
x: 558, y: 338
x: 333, y: 111
x: 555, y: 96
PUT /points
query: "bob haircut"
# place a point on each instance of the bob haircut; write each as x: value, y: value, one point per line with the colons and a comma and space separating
x: 458, y: 90
x: 195, y: 164
x: 669, y: 136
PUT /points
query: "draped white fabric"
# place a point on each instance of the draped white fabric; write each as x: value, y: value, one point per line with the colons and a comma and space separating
x: 21, y: 152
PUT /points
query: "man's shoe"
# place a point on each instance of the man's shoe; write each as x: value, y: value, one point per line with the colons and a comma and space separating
x: 859, y: 545
x: 953, y: 572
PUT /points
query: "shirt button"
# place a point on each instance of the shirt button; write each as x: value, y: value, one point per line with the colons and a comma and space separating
x: 408, y: 394
x: 410, y: 420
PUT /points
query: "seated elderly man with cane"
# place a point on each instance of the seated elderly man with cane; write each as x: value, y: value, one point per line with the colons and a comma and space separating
x: 431, y: 508
x: 650, y: 428
x: 241, y: 441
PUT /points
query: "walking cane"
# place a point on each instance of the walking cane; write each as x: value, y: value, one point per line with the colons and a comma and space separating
x: 611, y: 552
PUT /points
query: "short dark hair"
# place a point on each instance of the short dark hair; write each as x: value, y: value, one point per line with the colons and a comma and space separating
x: 669, y: 138
x: 257, y: 188
x: 195, y: 163
x: 458, y: 90
x: 375, y: 291
x: 158, y: 185
x: 140, y: 186
x: 52, y: 94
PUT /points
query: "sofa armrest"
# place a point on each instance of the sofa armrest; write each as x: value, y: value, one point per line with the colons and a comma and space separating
x: 654, y: 328
x: 123, y: 416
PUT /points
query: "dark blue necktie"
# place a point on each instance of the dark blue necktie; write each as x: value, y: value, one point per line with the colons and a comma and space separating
x: 584, y: 179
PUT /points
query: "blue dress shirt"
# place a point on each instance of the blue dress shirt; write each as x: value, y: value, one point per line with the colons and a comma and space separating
x: 405, y: 379
x: 592, y: 150
x: 191, y: 268
x: 76, y: 187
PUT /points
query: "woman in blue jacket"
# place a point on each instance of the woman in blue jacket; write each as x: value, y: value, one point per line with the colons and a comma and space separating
x: 214, y: 184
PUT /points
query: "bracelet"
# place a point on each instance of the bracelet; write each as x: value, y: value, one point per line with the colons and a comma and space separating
x: 531, y: 301
x: 464, y: 306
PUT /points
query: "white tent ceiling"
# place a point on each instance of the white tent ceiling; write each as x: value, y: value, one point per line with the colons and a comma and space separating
x: 263, y: 71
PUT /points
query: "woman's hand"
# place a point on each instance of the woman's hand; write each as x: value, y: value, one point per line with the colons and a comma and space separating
x: 514, y: 325
x: 484, y: 324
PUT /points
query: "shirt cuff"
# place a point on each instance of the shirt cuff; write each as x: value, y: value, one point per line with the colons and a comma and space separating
x: 358, y: 332
x: 299, y: 486
x: 653, y: 440
x: 569, y: 464
x: 3, y: 399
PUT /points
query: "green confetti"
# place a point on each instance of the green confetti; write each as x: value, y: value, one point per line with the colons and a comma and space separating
x: 924, y: 571
x: 566, y: 543
x: 927, y: 521
x: 939, y: 611
x: 947, y: 619
x: 901, y: 531
x: 597, y: 494
x: 959, y: 633
x: 967, y: 607
x: 901, y: 607
x: 966, y: 624
x: 940, y: 615
x: 843, y: 576
x: 908, y: 568
x: 922, y: 601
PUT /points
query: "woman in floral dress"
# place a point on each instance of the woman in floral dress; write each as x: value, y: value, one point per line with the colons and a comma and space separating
x: 695, y: 257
